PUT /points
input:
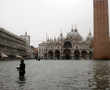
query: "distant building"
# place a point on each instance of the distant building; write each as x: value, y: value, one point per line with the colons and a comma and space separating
x: 35, y: 51
x: 29, y: 51
x: 66, y: 47
x: 11, y: 44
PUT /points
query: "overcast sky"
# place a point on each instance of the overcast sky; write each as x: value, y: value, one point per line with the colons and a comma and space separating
x: 38, y: 17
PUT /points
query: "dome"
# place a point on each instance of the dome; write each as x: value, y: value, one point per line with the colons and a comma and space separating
x: 89, y: 37
x: 74, y: 34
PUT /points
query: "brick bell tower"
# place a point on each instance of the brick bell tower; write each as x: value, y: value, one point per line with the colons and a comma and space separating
x: 101, y: 30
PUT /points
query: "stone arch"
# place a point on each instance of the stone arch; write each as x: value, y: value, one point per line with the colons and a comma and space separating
x: 67, y: 44
x: 50, y: 54
x: 76, y: 53
x: 84, y: 53
x: 67, y: 54
x: 57, y: 54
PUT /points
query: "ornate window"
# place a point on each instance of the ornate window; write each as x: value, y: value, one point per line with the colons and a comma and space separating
x: 67, y: 44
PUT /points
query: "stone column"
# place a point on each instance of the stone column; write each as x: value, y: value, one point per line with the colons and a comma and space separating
x: 101, y: 30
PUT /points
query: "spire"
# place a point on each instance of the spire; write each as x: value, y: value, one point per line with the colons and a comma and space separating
x: 46, y: 36
x: 75, y: 28
x: 25, y: 33
x: 90, y: 32
x: 71, y: 27
x: 89, y: 37
x: 54, y: 38
x: 61, y: 34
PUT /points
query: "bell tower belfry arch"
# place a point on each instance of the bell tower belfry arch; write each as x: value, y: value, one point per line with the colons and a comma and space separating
x: 101, y: 30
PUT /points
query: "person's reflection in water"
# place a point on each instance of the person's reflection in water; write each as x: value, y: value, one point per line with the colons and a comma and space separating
x: 21, y: 82
x: 22, y: 78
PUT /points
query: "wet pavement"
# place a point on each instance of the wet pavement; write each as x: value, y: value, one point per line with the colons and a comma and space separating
x: 56, y: 75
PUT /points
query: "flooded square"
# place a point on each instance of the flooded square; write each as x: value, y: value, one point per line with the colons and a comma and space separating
x: 56, y: 75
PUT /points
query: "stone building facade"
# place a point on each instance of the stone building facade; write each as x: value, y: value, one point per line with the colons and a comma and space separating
x: 11, y: 44
x: 29, y: 50
x: 66, y: 47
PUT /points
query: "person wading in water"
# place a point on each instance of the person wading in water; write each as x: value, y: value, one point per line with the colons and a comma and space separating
x: 21, y: 69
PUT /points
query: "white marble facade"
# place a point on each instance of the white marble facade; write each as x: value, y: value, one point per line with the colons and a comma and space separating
x: 66, y: 47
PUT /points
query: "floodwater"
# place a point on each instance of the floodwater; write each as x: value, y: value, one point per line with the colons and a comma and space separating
x: 56, y: 75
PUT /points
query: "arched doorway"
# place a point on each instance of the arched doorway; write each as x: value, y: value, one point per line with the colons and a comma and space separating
x: 50, y: 54
x: 67, y: 44
x: 90, y: 54
x: 84, y: 53
x: 57, y: 54
x: 77, y: 54
x: 67, y: 54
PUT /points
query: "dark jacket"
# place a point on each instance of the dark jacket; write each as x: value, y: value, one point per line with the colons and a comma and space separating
x: 22, y: 69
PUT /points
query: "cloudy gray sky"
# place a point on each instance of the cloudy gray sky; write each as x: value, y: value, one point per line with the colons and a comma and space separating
x: 38, y: 17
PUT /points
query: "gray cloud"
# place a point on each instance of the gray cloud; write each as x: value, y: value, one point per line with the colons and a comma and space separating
x: 38, y: 17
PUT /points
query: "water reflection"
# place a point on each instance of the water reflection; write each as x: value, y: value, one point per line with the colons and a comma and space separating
x: 101, y: 73
x: 22, y: 78
x: 56, y: 75
x: 21, y: 82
